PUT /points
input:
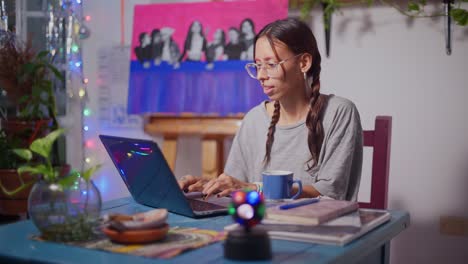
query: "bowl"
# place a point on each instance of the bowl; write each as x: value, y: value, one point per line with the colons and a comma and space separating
x: 137, y: 236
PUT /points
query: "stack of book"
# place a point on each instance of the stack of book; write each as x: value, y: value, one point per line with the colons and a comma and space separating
x: 323, y: 221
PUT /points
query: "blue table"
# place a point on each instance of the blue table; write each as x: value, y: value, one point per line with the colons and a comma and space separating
x: 16, y: 245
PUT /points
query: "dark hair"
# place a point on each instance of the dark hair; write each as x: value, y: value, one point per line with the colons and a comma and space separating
x: 154, y: 33
x: 250, y: 21
x: 223, y: 37
x: 299, y: 39
x: 188, y: 39
x: 142, y: 36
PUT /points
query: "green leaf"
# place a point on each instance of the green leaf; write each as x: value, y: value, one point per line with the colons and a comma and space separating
x: 460, y: 16
x: 69, y: 180
x: 412, y: 6
x: 42, y: 146
x: 423, y: 2
x: 56, y: 72
x: 87, y: 174
x: 39, y: 169
x: 23, y: 99
x: 25, y: 154
x: 42, y: 54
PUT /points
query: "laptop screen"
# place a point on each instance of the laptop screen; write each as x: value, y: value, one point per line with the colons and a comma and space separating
x: 144, y: 170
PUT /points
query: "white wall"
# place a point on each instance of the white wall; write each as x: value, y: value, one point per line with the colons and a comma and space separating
x: 386, y: 65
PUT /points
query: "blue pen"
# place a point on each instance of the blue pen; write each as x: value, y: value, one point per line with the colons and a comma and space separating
x: 297, y: 204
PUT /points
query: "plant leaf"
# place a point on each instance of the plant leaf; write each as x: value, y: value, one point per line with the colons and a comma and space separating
x: 42, y: 146
x: 87, y: 174
x: 460, y: 16
x: 412, y: 6
x: 56, y: 72
x: 39, y: 169
x: 69, y: 180
x: 42, y: 54
x: 25, y: 154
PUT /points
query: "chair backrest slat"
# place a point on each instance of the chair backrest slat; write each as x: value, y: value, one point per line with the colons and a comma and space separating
x: 380, y: 140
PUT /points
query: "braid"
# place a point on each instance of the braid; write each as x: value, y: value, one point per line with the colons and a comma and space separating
x: 271, y: 132
x: 314, y: 117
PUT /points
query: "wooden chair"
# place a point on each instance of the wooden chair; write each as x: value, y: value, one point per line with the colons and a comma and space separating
x: 380, y: 140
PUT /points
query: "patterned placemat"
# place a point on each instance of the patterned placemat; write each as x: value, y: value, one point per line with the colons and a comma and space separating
x: 177, y: 240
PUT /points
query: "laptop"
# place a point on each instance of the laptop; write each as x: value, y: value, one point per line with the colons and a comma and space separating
x: 151, y: 182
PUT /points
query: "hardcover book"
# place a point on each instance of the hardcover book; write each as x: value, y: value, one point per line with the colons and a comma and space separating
x: 311, y: 214
x: 339, y: 231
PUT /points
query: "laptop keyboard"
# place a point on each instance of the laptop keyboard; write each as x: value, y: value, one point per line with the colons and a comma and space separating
x: 204, y: 206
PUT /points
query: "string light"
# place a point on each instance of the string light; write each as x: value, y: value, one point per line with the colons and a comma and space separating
x: 82, y: 93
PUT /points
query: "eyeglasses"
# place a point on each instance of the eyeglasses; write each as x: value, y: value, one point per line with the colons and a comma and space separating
x: 271, y: 68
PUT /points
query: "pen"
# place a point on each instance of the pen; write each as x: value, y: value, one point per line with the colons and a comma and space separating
x: 297, y: 204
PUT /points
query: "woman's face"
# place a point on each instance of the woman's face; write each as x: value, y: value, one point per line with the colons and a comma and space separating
x: 157, y: 38
x: 233, y: 36
x: 286, y: 79
x: 196, y: 27
x: 146, y: 40
x: 246, y: 27
x: 218, y: 35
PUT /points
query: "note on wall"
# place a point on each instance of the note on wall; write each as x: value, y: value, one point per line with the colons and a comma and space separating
x: 112, y: 82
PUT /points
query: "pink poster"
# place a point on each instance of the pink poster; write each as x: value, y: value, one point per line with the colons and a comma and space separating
x: 180, y: 51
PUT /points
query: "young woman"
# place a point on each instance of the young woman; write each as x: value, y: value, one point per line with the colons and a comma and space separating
x: 247, y: 28
x: 156, y: 46
x: 318, y: 137
x: 215, y: 49
x: 234, y: 48
x: 144, y: 52
x: 195, y: 43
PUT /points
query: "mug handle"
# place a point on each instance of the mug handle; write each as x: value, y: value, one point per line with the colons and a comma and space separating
x: 300, y: 189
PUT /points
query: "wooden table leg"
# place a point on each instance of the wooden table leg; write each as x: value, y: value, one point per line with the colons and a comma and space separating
x: 169, y: 150
x: 212, y: 156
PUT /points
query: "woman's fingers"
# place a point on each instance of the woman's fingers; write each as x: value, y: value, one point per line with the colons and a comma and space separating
x: 196, y: 187
x: 226, y: 192
x: 212, y: 188
x: 186, y: 181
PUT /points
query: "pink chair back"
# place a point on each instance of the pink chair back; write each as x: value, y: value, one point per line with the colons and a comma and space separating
x: 380, y: 140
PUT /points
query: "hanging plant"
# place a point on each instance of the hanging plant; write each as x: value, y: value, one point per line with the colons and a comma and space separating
x: 414, y: 8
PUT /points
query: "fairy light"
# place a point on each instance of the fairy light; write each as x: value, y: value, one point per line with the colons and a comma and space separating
x: 82, y: 93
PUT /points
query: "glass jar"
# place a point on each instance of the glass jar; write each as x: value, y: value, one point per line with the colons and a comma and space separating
x: 65, y: 214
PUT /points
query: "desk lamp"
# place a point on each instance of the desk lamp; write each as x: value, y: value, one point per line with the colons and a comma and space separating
x: 247, y: 242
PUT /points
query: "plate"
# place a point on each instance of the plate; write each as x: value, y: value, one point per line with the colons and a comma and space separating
x: 137, y: 236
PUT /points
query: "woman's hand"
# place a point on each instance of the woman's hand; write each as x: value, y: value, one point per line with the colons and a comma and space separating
x: 224, y: 185
x: 189, y: 183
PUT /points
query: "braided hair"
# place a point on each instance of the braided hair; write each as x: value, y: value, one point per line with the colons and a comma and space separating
x: 299, y: 39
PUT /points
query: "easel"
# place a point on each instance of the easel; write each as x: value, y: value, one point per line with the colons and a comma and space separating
x: 212, y: 129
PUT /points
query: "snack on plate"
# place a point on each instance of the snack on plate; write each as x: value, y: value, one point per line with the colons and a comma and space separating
x: 142, y: 221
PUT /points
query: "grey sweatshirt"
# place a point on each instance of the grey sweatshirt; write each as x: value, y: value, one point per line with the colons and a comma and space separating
x: 338, y: 171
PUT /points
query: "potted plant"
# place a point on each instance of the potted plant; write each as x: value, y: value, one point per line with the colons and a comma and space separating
x: 28, y: 111
x: 63, y: 208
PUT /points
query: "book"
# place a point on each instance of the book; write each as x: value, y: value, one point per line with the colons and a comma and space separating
x: 339, y: 231
x: 311, y: 214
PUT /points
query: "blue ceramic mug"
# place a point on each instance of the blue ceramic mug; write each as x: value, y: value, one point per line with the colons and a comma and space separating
x: 278, y: 184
